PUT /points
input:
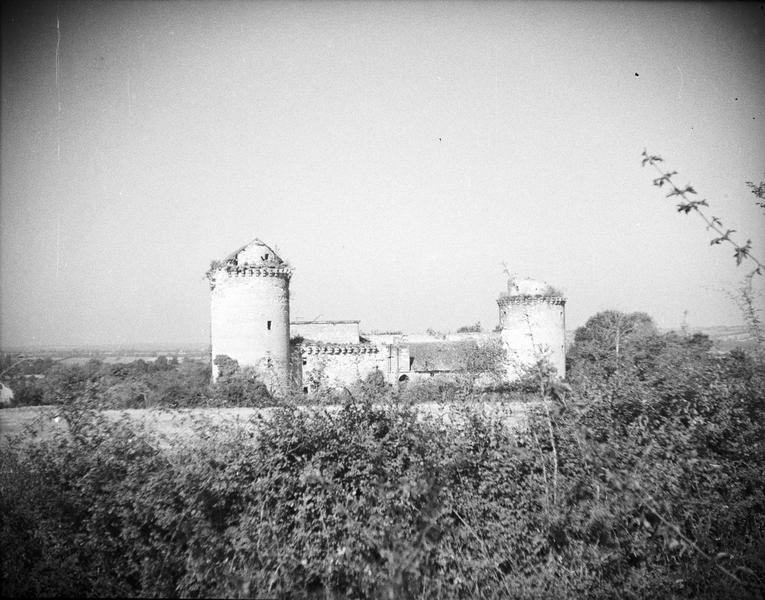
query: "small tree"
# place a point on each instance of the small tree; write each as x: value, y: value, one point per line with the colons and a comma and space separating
x: 610, y: 330
x: 242, y: 388
x: 226, y: 365
x: 485, y: 359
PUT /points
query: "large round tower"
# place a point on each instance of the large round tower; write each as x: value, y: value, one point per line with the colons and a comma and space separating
x: 532, y: 319
x: 250, y: 312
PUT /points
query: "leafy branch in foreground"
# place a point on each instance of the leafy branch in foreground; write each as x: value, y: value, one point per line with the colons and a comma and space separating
x: 758, y: 189
x: 687, y: 205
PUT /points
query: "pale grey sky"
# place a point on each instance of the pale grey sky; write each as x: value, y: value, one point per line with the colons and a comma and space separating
x: 395, y: 153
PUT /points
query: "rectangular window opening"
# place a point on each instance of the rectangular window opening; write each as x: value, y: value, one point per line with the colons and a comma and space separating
x: 269, y: 325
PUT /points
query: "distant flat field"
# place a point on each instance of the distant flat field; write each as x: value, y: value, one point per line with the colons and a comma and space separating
x: 40, y: 422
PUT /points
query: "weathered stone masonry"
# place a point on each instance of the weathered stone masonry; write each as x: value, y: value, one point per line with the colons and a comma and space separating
x: 250, y: 312
x: 533, y: 326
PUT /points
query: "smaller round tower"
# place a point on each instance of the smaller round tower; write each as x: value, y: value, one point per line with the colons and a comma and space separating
x: 532, y: 320
x: 250, y: 312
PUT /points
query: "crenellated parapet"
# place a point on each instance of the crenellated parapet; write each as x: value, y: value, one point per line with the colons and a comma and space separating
x: 313, y: 348
x: 511, y: 300
x: 257, y: 270
x: 231, y: 270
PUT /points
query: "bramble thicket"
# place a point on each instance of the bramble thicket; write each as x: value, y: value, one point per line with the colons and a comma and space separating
x: 641, y: 476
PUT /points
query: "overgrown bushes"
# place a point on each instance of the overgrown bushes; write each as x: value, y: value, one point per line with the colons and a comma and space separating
x: 642, y: 479
x: 359, y: 503
x: 650, y: 486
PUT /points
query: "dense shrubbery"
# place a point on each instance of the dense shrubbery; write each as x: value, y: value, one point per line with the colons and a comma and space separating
x: 139, y: 384
x: 642, y: 479
x: 363, y: 502
x: 668, y: 439
x: 97, y: 384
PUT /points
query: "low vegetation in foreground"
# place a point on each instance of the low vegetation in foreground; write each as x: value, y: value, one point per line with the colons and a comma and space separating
x: 640, y: 478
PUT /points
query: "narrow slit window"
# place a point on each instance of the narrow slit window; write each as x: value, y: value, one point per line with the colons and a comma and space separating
x: 269, y: 325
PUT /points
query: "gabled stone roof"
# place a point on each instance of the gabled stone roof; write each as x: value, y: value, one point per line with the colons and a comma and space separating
x: 256, y: 259
x: 441, y: 356
x: 256, y: 252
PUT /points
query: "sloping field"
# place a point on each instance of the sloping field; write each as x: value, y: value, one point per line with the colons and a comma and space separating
x: 40, y: 422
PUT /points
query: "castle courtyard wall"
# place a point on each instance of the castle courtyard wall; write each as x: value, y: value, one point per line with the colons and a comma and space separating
x: 340, y: 365
x: 334, y: 332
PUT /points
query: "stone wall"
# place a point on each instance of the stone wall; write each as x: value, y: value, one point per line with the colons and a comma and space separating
x: 335, y: 332
x: 337, y: 365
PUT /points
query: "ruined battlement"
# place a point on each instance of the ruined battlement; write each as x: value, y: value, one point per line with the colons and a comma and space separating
x: 256, y: 270
x: 255, y: 259
x: 504, y: 300
x: 230, y: 271
x: 339, y: 349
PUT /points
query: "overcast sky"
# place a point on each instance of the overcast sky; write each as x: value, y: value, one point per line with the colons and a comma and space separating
x: 395, y: 153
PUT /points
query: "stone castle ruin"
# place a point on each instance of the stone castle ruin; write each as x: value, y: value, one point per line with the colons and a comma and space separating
x: 250, y: 324
x: 532, y: 322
